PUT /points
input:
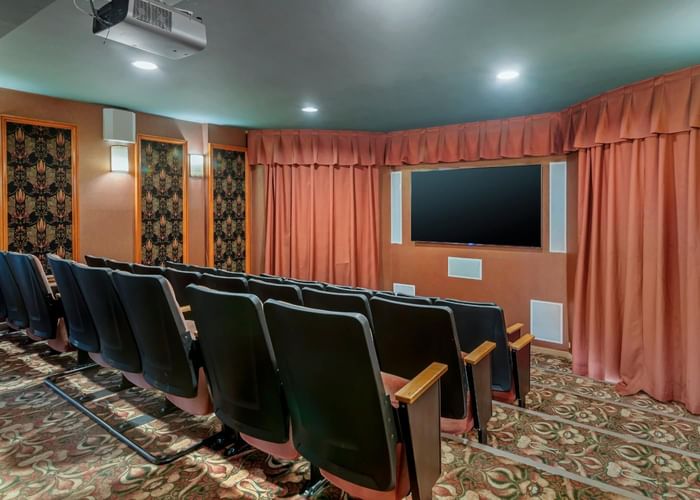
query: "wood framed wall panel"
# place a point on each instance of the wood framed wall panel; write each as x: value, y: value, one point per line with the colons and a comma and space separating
x: 228, y: 208
x: 39, y: 189
x: 161, y: 225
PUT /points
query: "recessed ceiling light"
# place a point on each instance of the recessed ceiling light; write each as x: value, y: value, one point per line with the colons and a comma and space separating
x: 309, y: 109
x: 509, y: 74
x: 148, y: 66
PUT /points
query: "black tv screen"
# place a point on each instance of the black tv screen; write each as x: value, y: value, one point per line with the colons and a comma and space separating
x: 477, y: 206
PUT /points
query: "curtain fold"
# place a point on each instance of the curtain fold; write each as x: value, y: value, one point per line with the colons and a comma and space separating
x: 323, y: 223
x: 665, y: 104
x: 316, y: 147
x: 637, y: 290
x: 536, y: 135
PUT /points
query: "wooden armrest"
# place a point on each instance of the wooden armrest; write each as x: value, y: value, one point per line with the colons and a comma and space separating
x: 522, y: 342
x: 413, y: 390
x: 514, y: 328
x: 479, y: 353
x: 185, y: 309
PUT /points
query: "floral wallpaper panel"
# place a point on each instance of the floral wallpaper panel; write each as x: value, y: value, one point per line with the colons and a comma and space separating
x: 229, y: 207
x: 39, y: 189
x: 162, y: 204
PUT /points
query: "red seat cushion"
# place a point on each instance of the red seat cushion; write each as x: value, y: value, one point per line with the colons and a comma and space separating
x: 97, y: 358
x: 401, y: 489
x: 284, y: 451
x: 200, y: 404
x: 60, y: 342
x: 505, y: 396
x: 137, y: 379
x: 392, y: 384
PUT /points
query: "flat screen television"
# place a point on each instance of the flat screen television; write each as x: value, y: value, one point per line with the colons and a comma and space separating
x: 478, y: 206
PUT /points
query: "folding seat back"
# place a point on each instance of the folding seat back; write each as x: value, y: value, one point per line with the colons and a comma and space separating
x: 179, y: 281
x: 144, y: 269
x: 228, y: 274
x: 43, y: 309
x: 477, y: 323
x: 16, y: 313
x: 349, y: 289
x: 177, y: 265
x: 117, y: 343
x: 342, y: 420
x: 267, y: 278
x: 240, y: 367
x: 160, y: 331
x: 93, y: 261
x: 118, y: 265
x: 339, y: 302
x: 191, y: 268
x: 277, y: 291
x: 224, y: 283
x: 202, y: 269
x: 303, y: 283
x: 408, y: 299
x: 411, y: 336
x: 82, y: 333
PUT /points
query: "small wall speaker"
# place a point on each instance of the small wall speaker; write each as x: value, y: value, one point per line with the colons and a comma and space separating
x: 557, y: 207
x: 118, y: 126
x: 403, y: 289
x: 396, y: 218
x: 547, y: 321
x: 458, y: 267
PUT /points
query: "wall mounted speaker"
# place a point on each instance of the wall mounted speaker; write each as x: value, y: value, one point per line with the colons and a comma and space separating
x: 118, y: 126
x: 396, y: 218
x: 557, y: 207
x: 403, y: 289
x: 547, y: 321
x: 458, y: 267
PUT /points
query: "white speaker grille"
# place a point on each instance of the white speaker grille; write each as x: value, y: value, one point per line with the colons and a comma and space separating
x: 396, y: 218
x: 557, y: 207
x: 547, y: 321
x: 458, y: 267
x: 403, y: 289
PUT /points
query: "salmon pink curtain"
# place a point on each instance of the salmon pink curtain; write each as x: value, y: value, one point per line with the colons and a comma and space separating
x: 637, y: 303
x: 322, y: 223
x: 315, y: 147
x: 637, y: 292
x: 518, y: 137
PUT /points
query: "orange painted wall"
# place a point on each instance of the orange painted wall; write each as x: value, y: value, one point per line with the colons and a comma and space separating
x: 106, y: 199
x: 511, y: 276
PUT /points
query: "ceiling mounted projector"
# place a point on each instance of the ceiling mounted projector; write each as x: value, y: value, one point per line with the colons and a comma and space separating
x: 151, y: 26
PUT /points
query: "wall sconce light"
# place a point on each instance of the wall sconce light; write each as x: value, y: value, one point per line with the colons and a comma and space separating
x: 196, y: 165
x: 120, y: 159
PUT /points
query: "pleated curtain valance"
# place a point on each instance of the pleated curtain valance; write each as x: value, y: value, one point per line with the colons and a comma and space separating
x: 537, y: 135
x: 316, y: 147
x: 666, y: 104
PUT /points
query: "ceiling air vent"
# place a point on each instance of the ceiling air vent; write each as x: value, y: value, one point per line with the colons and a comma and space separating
x: 153, y: 14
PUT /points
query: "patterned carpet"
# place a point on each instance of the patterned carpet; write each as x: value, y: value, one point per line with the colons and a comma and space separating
x: 577, y: 439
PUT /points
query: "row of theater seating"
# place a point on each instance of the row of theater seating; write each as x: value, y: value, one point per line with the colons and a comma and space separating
x: 466, y: 327
x: 330, y: 364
